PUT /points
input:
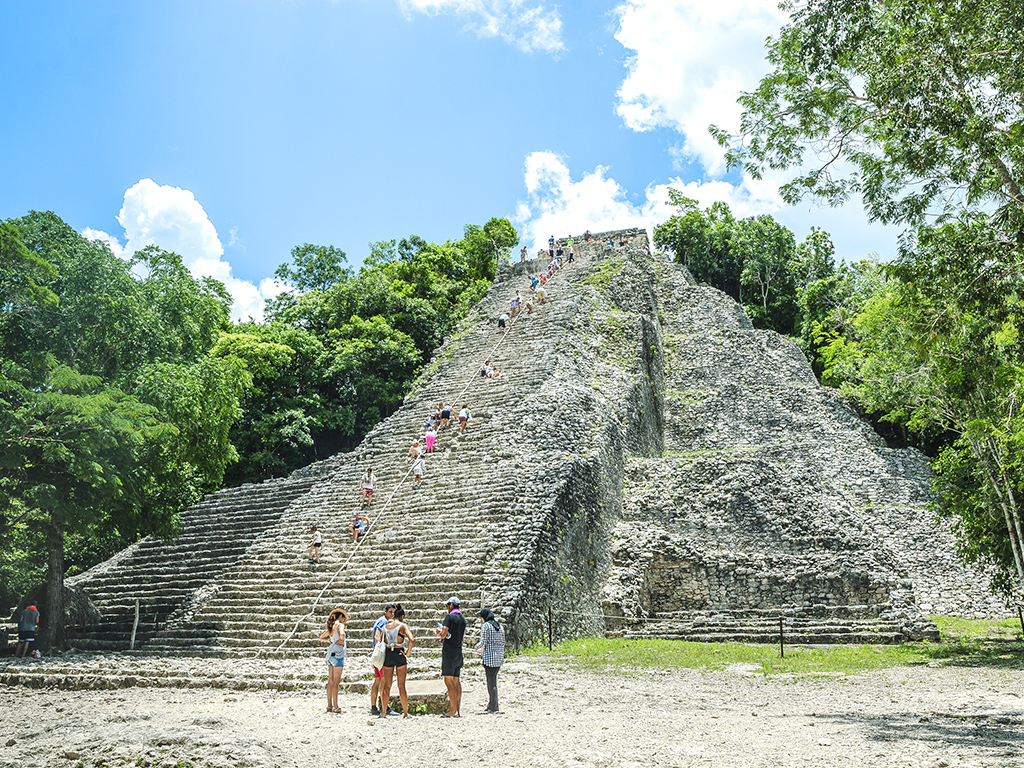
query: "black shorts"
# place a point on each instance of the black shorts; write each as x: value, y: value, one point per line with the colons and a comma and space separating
x: 446, y: 414
x: 395, y: 657
x: 451, y: 665
x: 501, y: 323
x: 26, y: 637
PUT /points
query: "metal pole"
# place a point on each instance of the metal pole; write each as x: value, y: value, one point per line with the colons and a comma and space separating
x: 782, y: 647
x: 1020, y: 616
x: 550, y: 643
x: 135, y: 626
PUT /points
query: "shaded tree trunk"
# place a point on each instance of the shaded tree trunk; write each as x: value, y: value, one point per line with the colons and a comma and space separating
x: 53, y: 636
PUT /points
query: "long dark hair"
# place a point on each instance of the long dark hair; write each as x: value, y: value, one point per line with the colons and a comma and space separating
x: 488, y: 616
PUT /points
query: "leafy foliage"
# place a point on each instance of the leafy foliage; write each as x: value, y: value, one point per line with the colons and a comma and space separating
x: 113, y: 417
x: 356, y: 341
x: 942, y: 346
x: 912, y: 104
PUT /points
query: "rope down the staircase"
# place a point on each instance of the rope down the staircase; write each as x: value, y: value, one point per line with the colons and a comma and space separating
x: 373, y: 523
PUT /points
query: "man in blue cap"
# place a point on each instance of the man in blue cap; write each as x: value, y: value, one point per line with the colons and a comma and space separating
x: 451, y: 632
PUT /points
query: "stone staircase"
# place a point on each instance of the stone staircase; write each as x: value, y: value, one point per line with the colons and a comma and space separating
x: 833, y: 625
x: 237, y: 582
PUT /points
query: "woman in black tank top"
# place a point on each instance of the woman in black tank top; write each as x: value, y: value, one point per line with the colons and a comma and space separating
x: 398, y: 641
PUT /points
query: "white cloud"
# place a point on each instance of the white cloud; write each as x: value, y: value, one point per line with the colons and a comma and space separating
x: 689, y: 61
x: 528, y: 26
x: 172, y: 218
x: 557, y: 205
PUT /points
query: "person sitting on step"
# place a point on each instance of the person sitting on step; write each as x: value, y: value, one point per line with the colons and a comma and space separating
x: 360, y: 525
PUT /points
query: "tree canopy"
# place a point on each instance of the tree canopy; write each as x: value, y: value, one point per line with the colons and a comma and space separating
x: 914, y: 105
x: 113, y: 417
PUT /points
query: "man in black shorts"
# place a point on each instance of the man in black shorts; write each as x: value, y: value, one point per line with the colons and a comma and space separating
x: 451, y: 632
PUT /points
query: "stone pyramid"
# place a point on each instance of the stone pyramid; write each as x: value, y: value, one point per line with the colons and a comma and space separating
x: 646, y: 464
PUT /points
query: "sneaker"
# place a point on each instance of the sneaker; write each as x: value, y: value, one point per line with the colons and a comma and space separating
x: 374, y: 710
x: 391, y: 711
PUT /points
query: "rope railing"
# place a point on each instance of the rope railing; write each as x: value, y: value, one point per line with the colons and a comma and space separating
x: 383, y: 509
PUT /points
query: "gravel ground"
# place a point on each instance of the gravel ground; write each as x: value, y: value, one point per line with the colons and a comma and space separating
x: 553, y: 716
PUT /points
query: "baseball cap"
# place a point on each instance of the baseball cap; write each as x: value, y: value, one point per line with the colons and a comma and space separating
x: 453, y: 600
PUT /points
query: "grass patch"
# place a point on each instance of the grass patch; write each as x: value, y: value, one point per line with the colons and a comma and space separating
x: 616, y: 655
x: 953, y: 628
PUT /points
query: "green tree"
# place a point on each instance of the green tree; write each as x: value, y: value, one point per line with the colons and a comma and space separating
x: 314, y: 268
x: 912, y: 104
x: 942, y: 346
x: 767, y: 251
x: 113, y: 416
x: 487, y: 245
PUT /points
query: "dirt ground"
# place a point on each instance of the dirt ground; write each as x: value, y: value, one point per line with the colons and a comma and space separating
x: 552, y: 716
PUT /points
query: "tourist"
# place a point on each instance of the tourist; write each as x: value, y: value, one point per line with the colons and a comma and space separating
x: 368, y: 485
x: 396, y: 652
x: 571, y: 257
x: 27, y: 621
x: 522, y: 254
x: 529, y: 306
x: 450, y: 632
x: 489, y: 370
x: 446, y: 416
x: 314, y: 545
x: 378, y: 674
x: 551, y: 247
x: 335, y: 655
x: 542, y: 295
x: 419, y: 464
x: 534, y: 279
x: 430, y: 438
x: 464, y: 417
x: 492, y: 648
x: 502, y: 321
x: 360, y: 525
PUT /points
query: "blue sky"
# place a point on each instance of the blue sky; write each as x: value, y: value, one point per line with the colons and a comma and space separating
x: 232, y: 130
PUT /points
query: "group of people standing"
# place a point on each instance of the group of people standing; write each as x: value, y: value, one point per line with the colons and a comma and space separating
x: 397, y: 639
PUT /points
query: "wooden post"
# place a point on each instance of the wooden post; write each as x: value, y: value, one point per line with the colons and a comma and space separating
x: 550, y: 641
x: 135, y: 626
x: 782, y: 647
x: 1020, y: 616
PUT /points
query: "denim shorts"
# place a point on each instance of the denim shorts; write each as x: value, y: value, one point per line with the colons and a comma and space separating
x: 335, y: 660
